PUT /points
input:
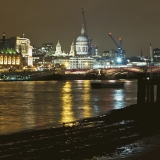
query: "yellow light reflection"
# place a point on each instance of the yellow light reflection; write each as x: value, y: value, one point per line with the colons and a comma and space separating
x: 86, y: 99
x: 67, y: 112
x: 26, y: 118
x: 10, y: 119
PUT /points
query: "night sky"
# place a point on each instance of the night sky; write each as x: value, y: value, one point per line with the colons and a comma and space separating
x: 137, y: 22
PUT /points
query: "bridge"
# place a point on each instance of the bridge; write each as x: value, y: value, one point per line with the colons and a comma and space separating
x: 146, y: 69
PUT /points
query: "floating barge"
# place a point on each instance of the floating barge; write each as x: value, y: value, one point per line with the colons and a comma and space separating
x: 100, y: 84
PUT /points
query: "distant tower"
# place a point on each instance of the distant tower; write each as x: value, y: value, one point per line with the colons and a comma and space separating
x: 58, y: 49
x: 151, y: 56
x: 72, y: 51
x: 96, y: 50
x: 4, y: 38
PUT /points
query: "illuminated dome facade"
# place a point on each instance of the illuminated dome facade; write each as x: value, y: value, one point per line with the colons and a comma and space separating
x: 82, y: 43
x: 82, y: 39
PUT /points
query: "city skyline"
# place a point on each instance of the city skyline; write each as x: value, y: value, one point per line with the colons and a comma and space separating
x: 47, y: 21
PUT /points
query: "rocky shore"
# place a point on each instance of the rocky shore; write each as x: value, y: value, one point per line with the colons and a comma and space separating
x: 93, y: 137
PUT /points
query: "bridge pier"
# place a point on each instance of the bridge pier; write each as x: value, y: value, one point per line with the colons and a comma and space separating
x: 158, y: 94
x: 141, y: 89
x: 147, y: 83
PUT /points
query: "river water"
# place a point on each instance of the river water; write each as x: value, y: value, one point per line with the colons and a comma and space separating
x: 35, y: 104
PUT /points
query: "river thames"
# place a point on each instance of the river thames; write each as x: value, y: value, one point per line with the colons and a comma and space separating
x: 36, y: 104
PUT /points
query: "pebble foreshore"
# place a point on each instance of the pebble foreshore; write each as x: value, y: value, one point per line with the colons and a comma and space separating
x: 86, y: 138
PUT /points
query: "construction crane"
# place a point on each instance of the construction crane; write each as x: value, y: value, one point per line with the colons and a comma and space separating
x: 86, y: 33
x: 119, y: 46
x: 84, y: 20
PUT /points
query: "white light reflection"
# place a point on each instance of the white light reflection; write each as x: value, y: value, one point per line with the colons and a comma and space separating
x: 95, y: 108
x: 118, y: 98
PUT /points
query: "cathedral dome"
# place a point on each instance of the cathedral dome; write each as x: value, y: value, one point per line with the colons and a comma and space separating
x: 82, y: 38
x: 82, y: 43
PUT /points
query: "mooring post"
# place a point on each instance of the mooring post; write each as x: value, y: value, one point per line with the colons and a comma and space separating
x: 148, y: 89
x: 152, y: 93
x: 158, y: 93
x: 152, y: 81
x: 158, y: 90
x: 141, y: 88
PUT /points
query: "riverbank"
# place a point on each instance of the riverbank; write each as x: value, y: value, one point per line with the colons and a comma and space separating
x: 51, y: 75
x: 102, y: 136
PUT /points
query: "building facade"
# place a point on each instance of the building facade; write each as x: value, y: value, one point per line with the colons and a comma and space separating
x: 48, y: 49
x: 82, y: 44
x: 22, y: 45
x: 9, y: 57
x: 81, y: 60
x: 62, y: 61
x: 156, y: 55
x: 81, y: 63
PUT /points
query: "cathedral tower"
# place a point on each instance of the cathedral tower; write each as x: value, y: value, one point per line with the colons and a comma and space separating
x: 72, y: 51
x: 58, y: 51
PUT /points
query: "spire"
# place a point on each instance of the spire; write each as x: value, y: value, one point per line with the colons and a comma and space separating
x: 4, y: 37
x: 58, y: 44
x: 82, y: 30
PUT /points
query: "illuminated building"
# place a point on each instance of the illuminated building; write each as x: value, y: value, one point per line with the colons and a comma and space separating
x: 77, y: 57
x: 112, y: 53
x: 72, y: 51
x: 58, y: 51
x: 82, y: 44
x: 81, y: 63
x: 156, y: 54
x: 9, y: 57
x: 62, y: 60
x: 37, y: 51
x: 48, y: 49
x: 22, y: 45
